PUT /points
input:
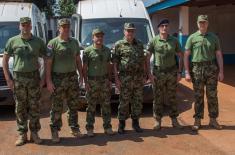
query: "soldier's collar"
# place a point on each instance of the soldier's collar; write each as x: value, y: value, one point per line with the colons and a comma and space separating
x: 97, y: 48
x: 168, y: 38
x: 31, y: 38
x: 134, y: 41
x: 63, y: 41
x: 200, y: 34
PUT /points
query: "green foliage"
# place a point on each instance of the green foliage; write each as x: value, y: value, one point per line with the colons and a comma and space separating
x: 66, y: 8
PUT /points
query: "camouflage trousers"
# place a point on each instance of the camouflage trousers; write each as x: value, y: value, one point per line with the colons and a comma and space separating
x: 131, y: 94
x: 27, y: 96
x: 99, y: 93
x: 164, y: 88
x: 66, y: 87
x: 204, y: 75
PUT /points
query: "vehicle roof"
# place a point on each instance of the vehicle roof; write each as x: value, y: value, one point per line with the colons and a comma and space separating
x: 12, y: 11
x: 111, y: 9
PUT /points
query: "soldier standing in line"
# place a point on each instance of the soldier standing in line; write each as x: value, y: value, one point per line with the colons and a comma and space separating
x: 63, y: 59
x: 206, y: 71
x: 129, y: 67
x: 97, y: 73
x: 165, y: 74
x: 25, y: 49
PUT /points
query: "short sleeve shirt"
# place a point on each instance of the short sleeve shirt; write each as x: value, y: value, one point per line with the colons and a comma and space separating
x: 25, y: 52
x: 203, y: 47
x: 63, y: 54
x: 164, y: 51
x: 97, y: 60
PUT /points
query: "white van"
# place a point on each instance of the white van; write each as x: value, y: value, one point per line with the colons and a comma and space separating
x: 10, y: 14
x: 111, y: 15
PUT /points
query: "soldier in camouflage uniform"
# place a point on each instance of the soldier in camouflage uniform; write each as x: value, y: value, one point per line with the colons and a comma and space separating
x: 97, y: 77
x: 129, y: 61
x: 63, y: 59
x: 25, y: 49
x: 207, y: 69
x: 165, y: 74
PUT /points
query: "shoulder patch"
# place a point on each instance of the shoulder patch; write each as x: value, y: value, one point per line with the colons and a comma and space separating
x: 49, y: 50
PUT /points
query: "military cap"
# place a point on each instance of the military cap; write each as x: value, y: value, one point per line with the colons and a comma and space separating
x: 163, y: 21
x: 64, y: 21
x: 25, y: 20
x: 97, y: 31
x: 129, y: 26
x: 202, y: 18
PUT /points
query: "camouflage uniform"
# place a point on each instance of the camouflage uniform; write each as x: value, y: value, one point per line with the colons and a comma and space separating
x: 165, y: 71
x: 204, y: 71
x: 65, y: 80
x: 130, y: 59
x: 97, y: 61
x: 26, y: 80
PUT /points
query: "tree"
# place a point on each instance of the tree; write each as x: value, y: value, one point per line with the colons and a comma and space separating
x: 66, y: 8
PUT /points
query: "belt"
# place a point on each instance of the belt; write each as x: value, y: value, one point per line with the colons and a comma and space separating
x: 64, y: 74
x: 27, y: 74
x: 168, y: 69
x: 204, y: 63
x: 96, y: 78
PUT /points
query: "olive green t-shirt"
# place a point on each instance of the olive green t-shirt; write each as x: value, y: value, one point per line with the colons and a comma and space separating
x: 129, y: 57
x: 97, y: 60
x: 202, y: 47
x: 164, y: 51
x: 25, y: 52
x: 64, y: 54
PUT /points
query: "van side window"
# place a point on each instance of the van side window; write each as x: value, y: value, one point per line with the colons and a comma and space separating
x: 40, y: 30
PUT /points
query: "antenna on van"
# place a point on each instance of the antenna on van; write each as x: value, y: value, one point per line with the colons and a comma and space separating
x: 120, y: 13
x: 22, y: 7
x: 135, y: 2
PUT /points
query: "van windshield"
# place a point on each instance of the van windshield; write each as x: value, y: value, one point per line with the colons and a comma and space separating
x: 113, y: 29
x: 7, y: 30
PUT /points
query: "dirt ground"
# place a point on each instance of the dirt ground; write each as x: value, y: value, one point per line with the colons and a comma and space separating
x: 168, y: 141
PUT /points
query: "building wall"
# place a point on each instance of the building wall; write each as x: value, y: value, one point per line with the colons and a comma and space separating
x: 171, y: 14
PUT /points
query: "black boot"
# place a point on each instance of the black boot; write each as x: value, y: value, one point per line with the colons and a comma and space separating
x: 136, y: 125
x: 121, y: 126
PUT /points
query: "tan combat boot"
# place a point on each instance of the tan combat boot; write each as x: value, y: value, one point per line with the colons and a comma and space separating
x: 157, y: 125
x: 22, y: 139
x: 76, y: 133
x: 176, y: 124
x: 35, y: 138
x: 197, y: 124
x: 90, y: 133
x: 55, y: 137
x: 109, y: 131
x: 213, y: 123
